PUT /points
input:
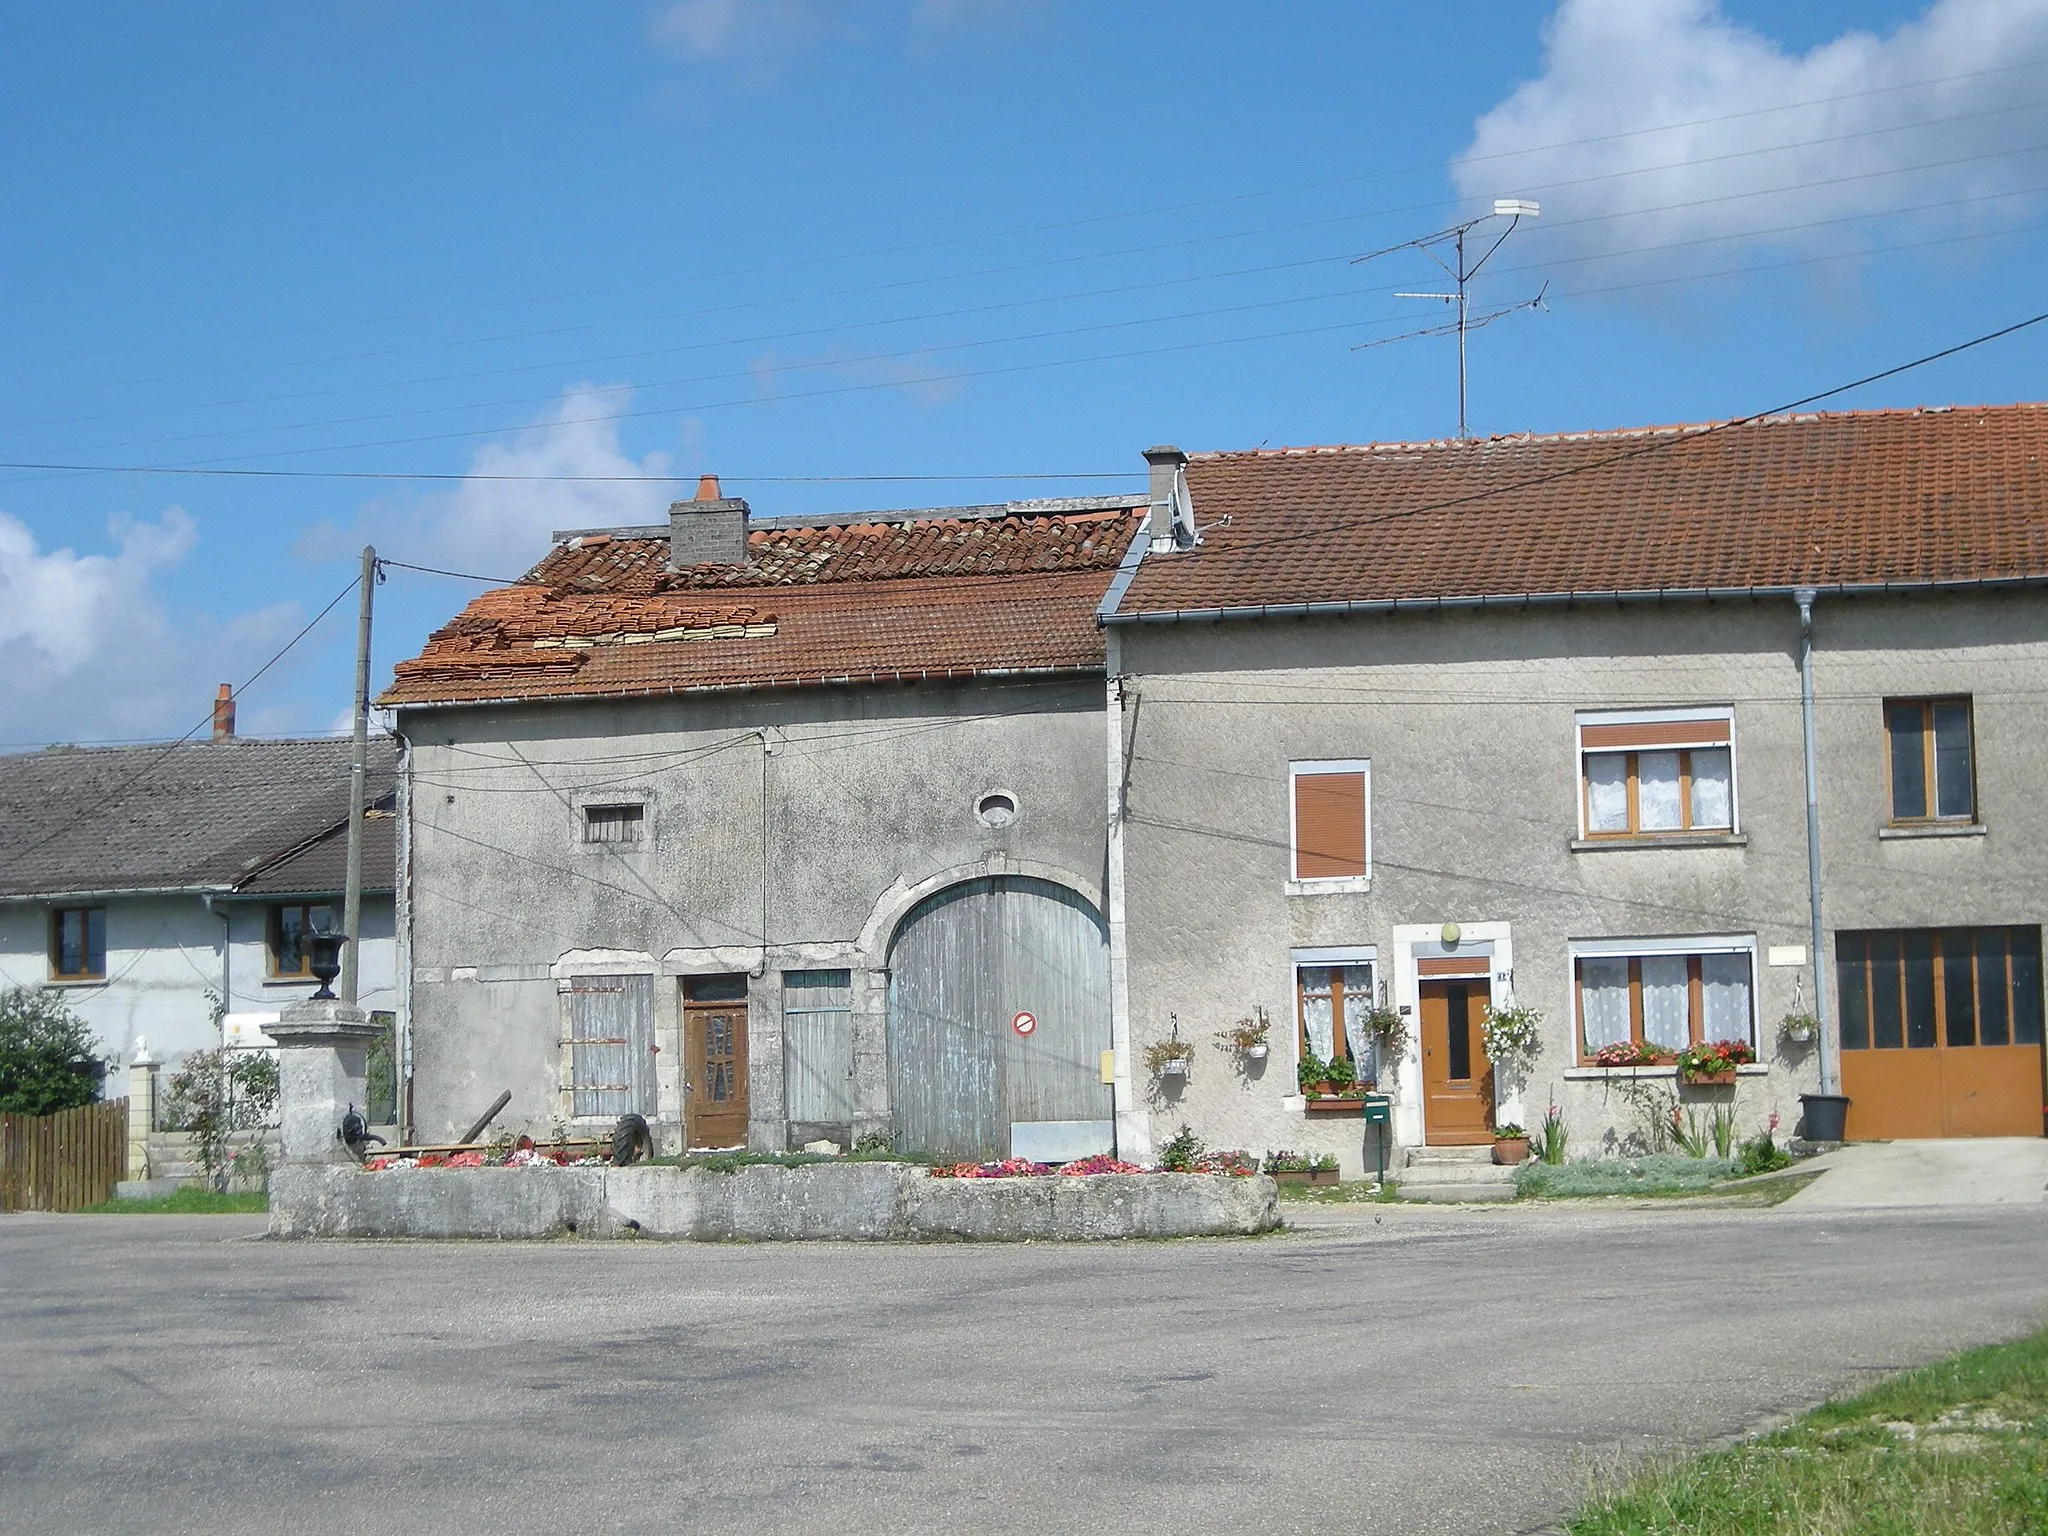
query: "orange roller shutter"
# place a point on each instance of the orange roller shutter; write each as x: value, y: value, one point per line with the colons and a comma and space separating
x: 1329, y: 825
x: 1655, y: 733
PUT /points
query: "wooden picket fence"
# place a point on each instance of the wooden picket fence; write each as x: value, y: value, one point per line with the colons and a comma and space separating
x: 63, y: 1161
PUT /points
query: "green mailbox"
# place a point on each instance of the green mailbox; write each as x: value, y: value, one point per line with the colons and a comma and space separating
x: 1379, y: 1111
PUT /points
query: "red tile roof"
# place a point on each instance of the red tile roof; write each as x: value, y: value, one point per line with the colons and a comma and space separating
x: 1831, y: 500
x: 912, y: 597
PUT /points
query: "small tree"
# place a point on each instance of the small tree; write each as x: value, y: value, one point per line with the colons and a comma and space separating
x: 47, y: 1061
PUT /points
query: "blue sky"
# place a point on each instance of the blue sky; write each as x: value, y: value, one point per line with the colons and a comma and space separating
x: 806, y: 238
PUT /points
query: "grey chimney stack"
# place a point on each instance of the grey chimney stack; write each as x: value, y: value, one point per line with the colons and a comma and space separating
x: 711, y: 530
x: 1171, y: 522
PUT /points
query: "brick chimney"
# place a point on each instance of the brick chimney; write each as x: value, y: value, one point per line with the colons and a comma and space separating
x: 224, y: 713
x: 711, y: 530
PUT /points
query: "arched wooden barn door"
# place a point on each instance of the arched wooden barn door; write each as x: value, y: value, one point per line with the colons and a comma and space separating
x: 965, y: 1081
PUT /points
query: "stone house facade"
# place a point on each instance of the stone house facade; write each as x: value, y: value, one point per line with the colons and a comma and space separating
x: 769, y: 831
x: 155, y: 885
x: 1430, y: 727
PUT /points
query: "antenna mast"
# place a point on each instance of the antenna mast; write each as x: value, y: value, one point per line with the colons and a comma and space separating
x: 1514, y: 210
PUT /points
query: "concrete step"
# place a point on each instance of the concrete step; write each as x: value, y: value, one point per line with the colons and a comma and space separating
x: 1458, y: 1194
x: 1457, y: 1173
x: 1450, y: 1156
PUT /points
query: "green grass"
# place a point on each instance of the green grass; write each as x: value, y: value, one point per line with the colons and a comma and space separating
x: 186, y: 1202
x: 1959, y: 1448
x: 1355, y: 1192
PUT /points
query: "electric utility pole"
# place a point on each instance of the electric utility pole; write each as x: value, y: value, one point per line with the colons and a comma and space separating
x: 1514, y: 210
x: 358, y: 784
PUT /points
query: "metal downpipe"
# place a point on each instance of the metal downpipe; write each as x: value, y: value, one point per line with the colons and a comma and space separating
x: 1830, y: 1053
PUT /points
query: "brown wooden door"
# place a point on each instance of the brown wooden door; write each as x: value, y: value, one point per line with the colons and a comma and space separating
x: 1457, y: 1079
x: 715, y: 1061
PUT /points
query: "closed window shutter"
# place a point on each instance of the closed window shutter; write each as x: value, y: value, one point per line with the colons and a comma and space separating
x: 1329, y: 825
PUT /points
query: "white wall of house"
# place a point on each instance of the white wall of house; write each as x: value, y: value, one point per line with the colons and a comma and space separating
x: 165, y: 955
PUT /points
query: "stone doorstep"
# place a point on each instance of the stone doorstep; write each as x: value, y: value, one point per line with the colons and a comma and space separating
x: 1458, y: 1173
x: 1458, y: 1156
x: 1458, y: 1194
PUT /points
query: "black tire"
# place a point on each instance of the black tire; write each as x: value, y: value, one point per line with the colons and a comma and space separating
x: 631, y: 1140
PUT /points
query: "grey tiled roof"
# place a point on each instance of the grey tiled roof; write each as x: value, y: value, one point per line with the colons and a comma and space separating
x: 209, y: 814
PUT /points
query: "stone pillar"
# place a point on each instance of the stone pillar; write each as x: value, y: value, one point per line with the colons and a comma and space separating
x: 323, y: 1068
x: 141, y: 1109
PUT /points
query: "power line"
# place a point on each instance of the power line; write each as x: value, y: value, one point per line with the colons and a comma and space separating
x: 154, y: 761
x: 1660, y: 444
x: 1151, y: 212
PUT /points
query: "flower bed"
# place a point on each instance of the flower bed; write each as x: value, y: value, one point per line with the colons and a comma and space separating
x: 1236, y: 1165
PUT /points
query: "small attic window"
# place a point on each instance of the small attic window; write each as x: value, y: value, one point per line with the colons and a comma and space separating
x: 996, y: 809
x: 614, y: 823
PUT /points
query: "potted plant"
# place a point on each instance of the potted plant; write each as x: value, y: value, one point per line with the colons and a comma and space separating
x: 1510, y: 1144
x: 1248, y: 1038
x: 1312, y: 1073
x: 1630, y: 1053
x: 1714, y: 1064
x: 1300, y: 1168
x: 1389, y: 1026
x: 1799, y: 1028
x: 1339, y: 1088
x: 1168, y: 1058
x: 1511, y: 1032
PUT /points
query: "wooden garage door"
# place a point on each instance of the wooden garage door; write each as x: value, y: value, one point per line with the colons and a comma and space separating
x: 965, y: 963
x: 1941, y: 1031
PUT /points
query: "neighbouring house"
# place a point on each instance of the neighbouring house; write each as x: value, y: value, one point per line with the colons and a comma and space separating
x: 159, y: 886
x: 770, y: 831
x: 1432, y: 726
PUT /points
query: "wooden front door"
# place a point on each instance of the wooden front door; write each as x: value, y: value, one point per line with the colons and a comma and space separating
x: 715, y: 1061
x: 1457, y: 1079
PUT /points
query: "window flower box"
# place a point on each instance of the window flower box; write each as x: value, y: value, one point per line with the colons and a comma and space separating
x: 1713, y: 1066
x: 1300, y: 1168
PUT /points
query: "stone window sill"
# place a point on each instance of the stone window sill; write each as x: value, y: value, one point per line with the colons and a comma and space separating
x: 1577, y: 1074
x: 76, y: 981
x: 1345, y: 886
x: 292, y: 981
x: 1664, y: 840
x: 1933, y: 829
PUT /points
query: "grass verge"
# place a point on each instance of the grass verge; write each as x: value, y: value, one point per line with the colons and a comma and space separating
x: 1959, y: 1448
x: 186, y: 1202
x: 1355, y: 1192
x: 1660, y: 1175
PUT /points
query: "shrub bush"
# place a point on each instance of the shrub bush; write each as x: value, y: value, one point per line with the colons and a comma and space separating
x: 46, y: 1057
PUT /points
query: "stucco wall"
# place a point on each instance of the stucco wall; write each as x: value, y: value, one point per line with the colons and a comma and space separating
x: 869, y: 804
x: 1468, y: 721
x: 164, y: 957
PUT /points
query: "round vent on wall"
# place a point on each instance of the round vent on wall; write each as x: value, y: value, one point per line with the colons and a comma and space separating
x: 998, y: 808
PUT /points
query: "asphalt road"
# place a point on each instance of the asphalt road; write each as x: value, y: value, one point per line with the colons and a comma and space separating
x: 1439, y: 1370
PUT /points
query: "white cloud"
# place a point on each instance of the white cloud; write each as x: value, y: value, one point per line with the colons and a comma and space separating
x: 723, y: 31
x: 1776, y: 138
x: 500, y: 526
x: 92, y: 651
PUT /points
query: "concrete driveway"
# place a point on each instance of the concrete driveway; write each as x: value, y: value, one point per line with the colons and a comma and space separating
x: 1413, y: 1370
x: 1992, y: 1170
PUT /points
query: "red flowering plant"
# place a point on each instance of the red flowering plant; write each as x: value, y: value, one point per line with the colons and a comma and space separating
x: 1235, y: 1164
x: 1715, y: 1058
x: 1630, y: 1053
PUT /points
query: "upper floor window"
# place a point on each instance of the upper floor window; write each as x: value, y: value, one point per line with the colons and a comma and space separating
x: 292, y: 924
x: 614, y: 823
x: 1932, y: 768
x: 78, y: 944
x: 1656, y: 773
x: 1330, y: 824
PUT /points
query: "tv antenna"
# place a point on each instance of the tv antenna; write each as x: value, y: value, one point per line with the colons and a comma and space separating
x: 1514, y: 210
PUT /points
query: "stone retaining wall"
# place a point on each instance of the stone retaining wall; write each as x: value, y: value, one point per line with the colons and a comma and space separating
x: 761, y: 1203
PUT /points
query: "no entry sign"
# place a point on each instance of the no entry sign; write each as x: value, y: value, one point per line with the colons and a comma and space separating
x: 1024, y: 1023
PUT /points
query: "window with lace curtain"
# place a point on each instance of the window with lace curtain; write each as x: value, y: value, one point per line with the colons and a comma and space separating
x: 1656, y: 773
x: 1664, y: 996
